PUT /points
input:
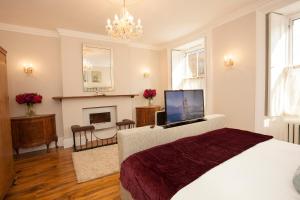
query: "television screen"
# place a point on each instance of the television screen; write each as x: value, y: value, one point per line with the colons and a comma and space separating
x: 183, y: 105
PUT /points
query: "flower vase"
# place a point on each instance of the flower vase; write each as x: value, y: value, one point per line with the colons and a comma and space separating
x: 150, y: 102
x: 29, y: 110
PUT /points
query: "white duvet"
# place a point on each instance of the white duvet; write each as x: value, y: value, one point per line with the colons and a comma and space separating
x: 263, y: 172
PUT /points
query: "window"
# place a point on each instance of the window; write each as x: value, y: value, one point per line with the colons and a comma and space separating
x: 296, y: 41
x: 283, y: 65
x: 195, y: 64
x: 188, y: 68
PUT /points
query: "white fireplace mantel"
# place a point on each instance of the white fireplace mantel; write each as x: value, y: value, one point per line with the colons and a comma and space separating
x: 60, y: 98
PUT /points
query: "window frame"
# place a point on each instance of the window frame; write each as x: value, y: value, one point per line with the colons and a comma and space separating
x: 198, y: 51
x: 204, y: 45
x: 186, y: 52
x: 289, y: 58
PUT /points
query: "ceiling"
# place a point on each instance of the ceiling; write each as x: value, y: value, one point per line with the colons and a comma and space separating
x: 163, y: 20
x: 290, y: 9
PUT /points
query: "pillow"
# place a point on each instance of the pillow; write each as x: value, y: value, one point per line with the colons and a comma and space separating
x: 296, y: 180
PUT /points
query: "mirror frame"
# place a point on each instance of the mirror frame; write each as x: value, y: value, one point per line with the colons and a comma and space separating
x: 98, y: 89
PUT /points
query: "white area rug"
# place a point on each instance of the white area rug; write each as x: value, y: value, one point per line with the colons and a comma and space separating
x: 96, y: 163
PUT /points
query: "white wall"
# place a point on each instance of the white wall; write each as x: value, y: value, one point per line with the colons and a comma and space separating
x: 129, y: 65
x: 44, y: 54
x: 234, y: 88
x: 164, y: 70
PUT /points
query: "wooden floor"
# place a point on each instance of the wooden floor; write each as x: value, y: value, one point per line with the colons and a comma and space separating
x: 49, y: 176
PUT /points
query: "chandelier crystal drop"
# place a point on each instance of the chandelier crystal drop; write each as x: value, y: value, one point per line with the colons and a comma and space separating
x: 124, y: 27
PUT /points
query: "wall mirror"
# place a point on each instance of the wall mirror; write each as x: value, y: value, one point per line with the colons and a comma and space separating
x: 97, y: 68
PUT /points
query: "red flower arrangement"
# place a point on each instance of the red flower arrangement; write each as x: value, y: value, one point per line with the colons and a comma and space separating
x: 149, y: 93
x: 29, y: 98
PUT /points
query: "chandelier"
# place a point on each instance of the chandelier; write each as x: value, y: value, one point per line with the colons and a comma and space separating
x: 124, y: 27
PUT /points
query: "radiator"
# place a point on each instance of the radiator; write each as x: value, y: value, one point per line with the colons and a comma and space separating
x: 293, y: 131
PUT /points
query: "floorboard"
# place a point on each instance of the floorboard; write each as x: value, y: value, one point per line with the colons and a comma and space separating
x: 49, y: 176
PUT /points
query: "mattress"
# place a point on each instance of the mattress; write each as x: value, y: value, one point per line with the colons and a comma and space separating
x: 263, y: 172
x: 167, y: 170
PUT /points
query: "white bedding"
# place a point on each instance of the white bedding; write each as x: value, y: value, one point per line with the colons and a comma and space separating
x: 263, y: 172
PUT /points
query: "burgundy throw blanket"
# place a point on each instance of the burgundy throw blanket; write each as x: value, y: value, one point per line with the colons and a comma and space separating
x: 159, y: 172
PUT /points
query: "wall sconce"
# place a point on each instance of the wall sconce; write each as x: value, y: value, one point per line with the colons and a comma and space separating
x: 28, y: 69
x: 228, y: 61
x: 146, y: 74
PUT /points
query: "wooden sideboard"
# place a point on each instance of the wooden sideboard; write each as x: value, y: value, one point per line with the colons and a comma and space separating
x: 6, y: 152
x: 33, y: 131
x: 146, y: 115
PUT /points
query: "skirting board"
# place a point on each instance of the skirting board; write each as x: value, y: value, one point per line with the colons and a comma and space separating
x: 62, y: 142
x: 68, y: 142
x: 43, y: 147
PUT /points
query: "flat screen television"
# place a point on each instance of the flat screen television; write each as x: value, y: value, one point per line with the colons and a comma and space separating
x: 183, y: 105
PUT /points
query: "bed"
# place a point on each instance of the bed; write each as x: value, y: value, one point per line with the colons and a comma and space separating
x: 215, y: 163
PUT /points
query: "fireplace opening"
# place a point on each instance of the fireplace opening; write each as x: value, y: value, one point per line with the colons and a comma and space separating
x: 100, y: 117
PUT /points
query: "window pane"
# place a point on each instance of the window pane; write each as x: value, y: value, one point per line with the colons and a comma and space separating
x: 296, y: 42
x: 201, y: 63
x: 192, y: 65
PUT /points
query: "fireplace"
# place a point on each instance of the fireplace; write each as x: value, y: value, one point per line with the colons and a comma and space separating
x: 96, y: 118
x: 100, y: 117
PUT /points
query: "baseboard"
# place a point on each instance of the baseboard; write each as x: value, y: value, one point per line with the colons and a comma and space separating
x: 68, y: 142
x: 60, y: 143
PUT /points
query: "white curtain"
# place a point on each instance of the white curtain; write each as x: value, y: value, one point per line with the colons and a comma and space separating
x: 277, y: 92
x: 292, y: 92
x: 196, y: 83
